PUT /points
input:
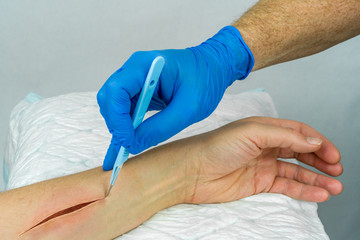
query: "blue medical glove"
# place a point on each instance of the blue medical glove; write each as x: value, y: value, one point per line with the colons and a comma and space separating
x: 190, y: 87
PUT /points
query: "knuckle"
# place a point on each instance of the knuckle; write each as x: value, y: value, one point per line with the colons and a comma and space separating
x: 113, y: 82
x: 254, y: 119
x: 251, y: 129
x: 252, y: 126
x: 115, y: 88
x: 144, y: 56
x: 303, y: 126
x: 293, y: 136
x: 100, y: 97
x: 137, y: 54
x: 292, y: 131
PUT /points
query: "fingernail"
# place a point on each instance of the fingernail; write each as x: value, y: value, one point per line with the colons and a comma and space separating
x: 312, y: 140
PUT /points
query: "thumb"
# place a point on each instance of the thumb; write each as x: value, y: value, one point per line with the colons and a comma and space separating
x: 269, y: 136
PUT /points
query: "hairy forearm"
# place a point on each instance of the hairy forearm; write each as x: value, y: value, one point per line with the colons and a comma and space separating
x: 282, y: 30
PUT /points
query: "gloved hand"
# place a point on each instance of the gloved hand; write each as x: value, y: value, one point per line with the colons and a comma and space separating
x: 190, y: 87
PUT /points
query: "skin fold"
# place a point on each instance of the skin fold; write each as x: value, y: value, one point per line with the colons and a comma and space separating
x: 229, y: 163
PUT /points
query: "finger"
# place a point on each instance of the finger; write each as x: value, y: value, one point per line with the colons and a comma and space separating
x: 328, y: 151
x: 161, y: 126
x: 300, y: 191
x: 313, y: 160
x: 110, y: 156
x: 119, y: 124
x: 131, y: 76
x: 119, y: 89
x: 115, y: 101
x: 302, y: 175
x: 269, y: 136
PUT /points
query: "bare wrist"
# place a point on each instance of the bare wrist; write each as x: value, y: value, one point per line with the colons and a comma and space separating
x: 169, y: 171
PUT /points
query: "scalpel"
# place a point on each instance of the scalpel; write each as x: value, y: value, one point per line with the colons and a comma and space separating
x: 142, y: 105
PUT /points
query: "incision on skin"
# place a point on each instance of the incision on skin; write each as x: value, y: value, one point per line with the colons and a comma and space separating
x: 61, y: 213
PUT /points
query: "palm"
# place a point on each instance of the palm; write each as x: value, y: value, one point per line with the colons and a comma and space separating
x: 233, y: 166
x: 226, y: 183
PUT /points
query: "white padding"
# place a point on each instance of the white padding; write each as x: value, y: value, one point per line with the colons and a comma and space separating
x: 66, y: 134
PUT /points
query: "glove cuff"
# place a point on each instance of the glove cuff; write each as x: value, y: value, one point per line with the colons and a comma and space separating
x: 243, y: 57
x: 233, y: 52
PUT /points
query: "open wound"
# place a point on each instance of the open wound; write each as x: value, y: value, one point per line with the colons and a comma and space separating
x: 61, y: 213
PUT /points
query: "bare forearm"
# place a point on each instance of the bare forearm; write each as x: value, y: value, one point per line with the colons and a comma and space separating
x: 75, y: 207
x: 282, y: 30
x: 232, y: 162
x: 25, y: 207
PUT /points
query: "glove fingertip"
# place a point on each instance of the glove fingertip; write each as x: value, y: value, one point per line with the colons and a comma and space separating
x: 110, y: 158
x: 106, y: 167
x: 108, y: 164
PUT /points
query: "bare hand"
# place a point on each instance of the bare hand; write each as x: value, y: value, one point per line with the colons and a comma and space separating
x: 241, y: 159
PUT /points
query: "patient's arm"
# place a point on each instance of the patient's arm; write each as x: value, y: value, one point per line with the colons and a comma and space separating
x: 25, y: 207
x: 233, y: 162
x: 145, y: 185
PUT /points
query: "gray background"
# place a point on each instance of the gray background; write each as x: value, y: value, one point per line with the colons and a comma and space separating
x: 57, y: 47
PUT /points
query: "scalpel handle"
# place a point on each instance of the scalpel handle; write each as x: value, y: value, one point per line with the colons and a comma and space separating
x: 141, y: 107
x: 147, y: 92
